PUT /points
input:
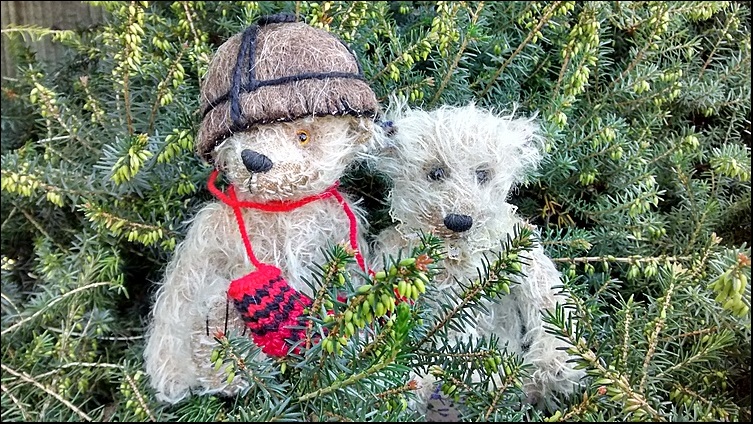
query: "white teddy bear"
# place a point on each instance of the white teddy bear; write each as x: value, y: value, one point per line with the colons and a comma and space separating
x: 285, y: 109
x: 451, y: 171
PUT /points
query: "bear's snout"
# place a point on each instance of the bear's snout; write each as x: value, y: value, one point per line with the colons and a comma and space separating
x: 458, y: 223
x: 256, y: 162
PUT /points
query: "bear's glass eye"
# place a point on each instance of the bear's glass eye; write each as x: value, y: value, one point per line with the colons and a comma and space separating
x: 302, y: 136
x: 482, y: 176
x: 436, y: 174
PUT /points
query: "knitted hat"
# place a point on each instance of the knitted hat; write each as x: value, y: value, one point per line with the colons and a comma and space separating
x: 279, y: 70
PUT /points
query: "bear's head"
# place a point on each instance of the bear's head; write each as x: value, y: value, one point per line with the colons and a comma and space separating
x: 284, y: 109
x: 452, y: 170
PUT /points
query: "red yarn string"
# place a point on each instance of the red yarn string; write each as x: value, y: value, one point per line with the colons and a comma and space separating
x: 353, y: 229
x: 244, y: 236
x: 282, y: 206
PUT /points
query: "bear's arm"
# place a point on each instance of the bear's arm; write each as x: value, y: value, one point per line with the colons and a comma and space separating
x: 535, y: 296
x: 191, y: 277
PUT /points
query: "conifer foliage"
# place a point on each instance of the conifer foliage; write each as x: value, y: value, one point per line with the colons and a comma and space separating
x: 643, y: 200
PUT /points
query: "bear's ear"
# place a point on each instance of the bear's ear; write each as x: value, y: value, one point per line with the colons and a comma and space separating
x: 382, y: 153
x: 386, y: 131
x: 384, y: 142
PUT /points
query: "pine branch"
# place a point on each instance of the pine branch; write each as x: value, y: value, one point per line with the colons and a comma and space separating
x: 630, y: 260
x: 337, y: 385
x: 689, y: 360
x: 41, y: 229
x: 509, y: 379
x: 626, y: 346
x: 544, y: 19
x: 16, y: 402
x: 618, y: 385
x: 140, y: 397
x: 407, y: 387
x: 493, y: 274
x: 637, y: 59
x: 161, y: 87
x: 654, y: 337
x: 52, y: 303
x: 716, y: 45
x: 27, y: 378
x: 10, y: 302
x: 428, y: 81
x: 576, y: 411
x: 189, y: 18
x: 448, y: 74
x: 80, y: 364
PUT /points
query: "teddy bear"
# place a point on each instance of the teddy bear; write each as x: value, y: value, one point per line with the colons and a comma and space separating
x: 451, y: 170
x: 284, y: 110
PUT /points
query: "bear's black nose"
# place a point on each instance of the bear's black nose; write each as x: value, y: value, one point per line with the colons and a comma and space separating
x: 458, y: 223
x: 256, y: 162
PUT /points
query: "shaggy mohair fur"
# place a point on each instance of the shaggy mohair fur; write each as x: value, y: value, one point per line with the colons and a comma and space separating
x: 481, y: 156
x: 284, y: 110
x: 191, y: 303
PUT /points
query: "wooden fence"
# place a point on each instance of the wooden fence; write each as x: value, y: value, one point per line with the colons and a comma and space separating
x: 59, y: 15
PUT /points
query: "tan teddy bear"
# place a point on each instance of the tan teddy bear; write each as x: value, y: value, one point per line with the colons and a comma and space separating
x: 284, y: 110
x: 451, y: 170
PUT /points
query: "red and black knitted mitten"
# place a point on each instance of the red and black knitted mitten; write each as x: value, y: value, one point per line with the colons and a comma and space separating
x: 269, y: 307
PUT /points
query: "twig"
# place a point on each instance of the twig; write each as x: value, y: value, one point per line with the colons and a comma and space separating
x: 109, y: 216
x: 16, y: 401
x: 562, y: 71
x: 474, y: 18
x: 429, y: 81
x: 498, y: 395
x: 108, y: 338
x: 7, y: 299
x: 52, y: 303
x: 190, y: 23
x: 10, y: 214
x: 42, y: 230
x: 631, y: 259
x: 441, y: 324
x: 407, y: 387
x: 578, y: 409
x: 638, y: 58
x: 468, y: 356
x: 544, y: 19
x: 594, y: 214
x: 396, y: 60
x: 161, y: 89
x: 79, y: 364
x: 48, y: 187
x: 683, y: 363
x: 327, y: 281
x: 27, y: 378
x: 345, y: 13
x: 626, y: 337
x: 699, y: 397
x: 140, y: 397
x: 691, y: 333
x: 350, y: 380
x: 654, y: 337
x: 126, y: 76
x: 371, y: 346
x: 716, y: 46
x: 619, y: 379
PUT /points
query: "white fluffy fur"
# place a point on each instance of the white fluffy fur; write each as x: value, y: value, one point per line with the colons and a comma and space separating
x: 194, y: 290
x: 462, y: 141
